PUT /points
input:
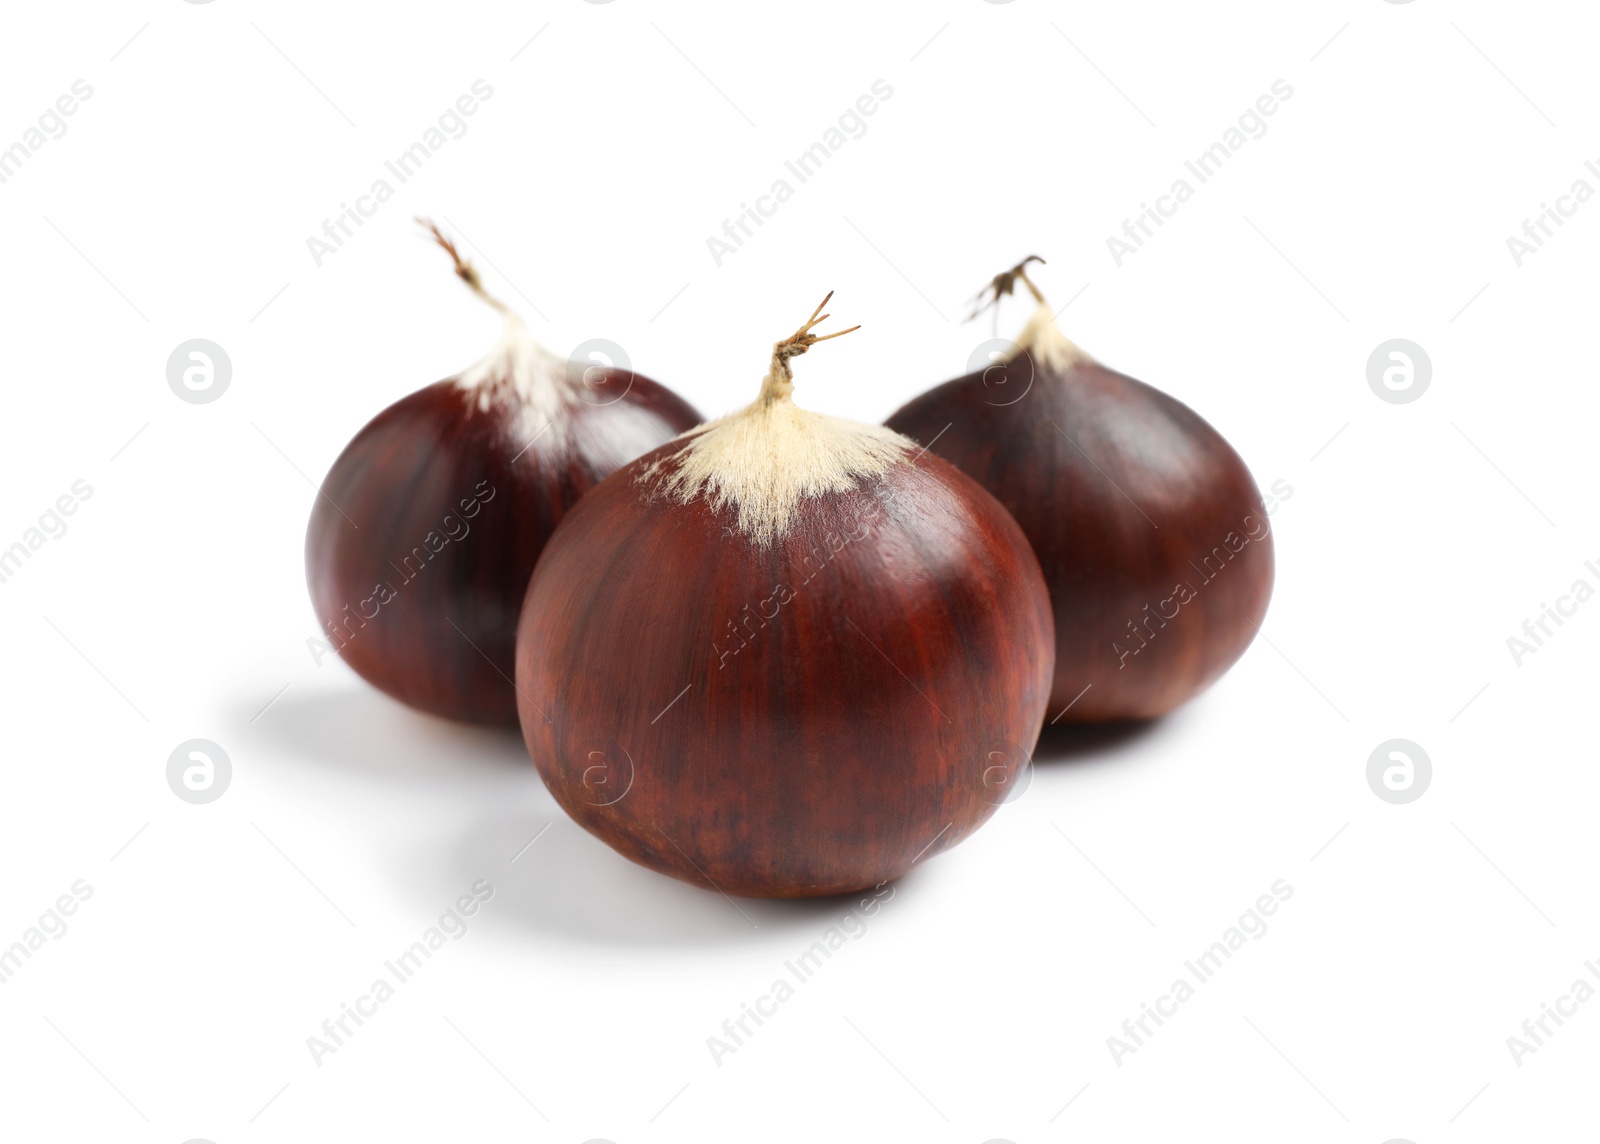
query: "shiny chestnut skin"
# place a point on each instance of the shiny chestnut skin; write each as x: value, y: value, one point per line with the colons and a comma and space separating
x: 430, y: 522
x: 1148, y: 525
x: 806, y: 718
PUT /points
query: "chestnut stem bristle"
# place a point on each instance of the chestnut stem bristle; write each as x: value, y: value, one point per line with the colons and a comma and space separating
x: 464, y: 269
x: 1003, y: 284
x: 778, y: 384
x: 803, y: 339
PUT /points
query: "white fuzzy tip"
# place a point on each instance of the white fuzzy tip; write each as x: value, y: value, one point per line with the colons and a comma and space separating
x: 520, y: 369
x: 1043, y: 340
x: 764, y: 460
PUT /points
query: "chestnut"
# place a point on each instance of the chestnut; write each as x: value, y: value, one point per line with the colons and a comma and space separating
x: 1149, y: 528
x: 785, y: 655
x: 429, y: 523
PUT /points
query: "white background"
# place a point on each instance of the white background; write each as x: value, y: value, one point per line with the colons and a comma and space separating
x: 979, y: 1002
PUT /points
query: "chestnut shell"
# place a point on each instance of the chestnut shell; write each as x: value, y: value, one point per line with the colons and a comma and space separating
x: 809, y: 718
x: 393, y: 512
x: 1126, y: 494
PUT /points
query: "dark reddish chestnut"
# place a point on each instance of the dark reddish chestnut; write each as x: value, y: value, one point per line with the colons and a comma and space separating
x: 786, y: 655
x: 1148, y: 525
x: 429, y: 523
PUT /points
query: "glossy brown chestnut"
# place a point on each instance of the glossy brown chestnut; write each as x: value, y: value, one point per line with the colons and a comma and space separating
x: 785, y: 655
x: 1150, y: 530
x: 429, y: 523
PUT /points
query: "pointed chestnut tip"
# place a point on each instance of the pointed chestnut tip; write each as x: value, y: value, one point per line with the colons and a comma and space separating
x: 803, y: 339
x: 1004, y: 284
